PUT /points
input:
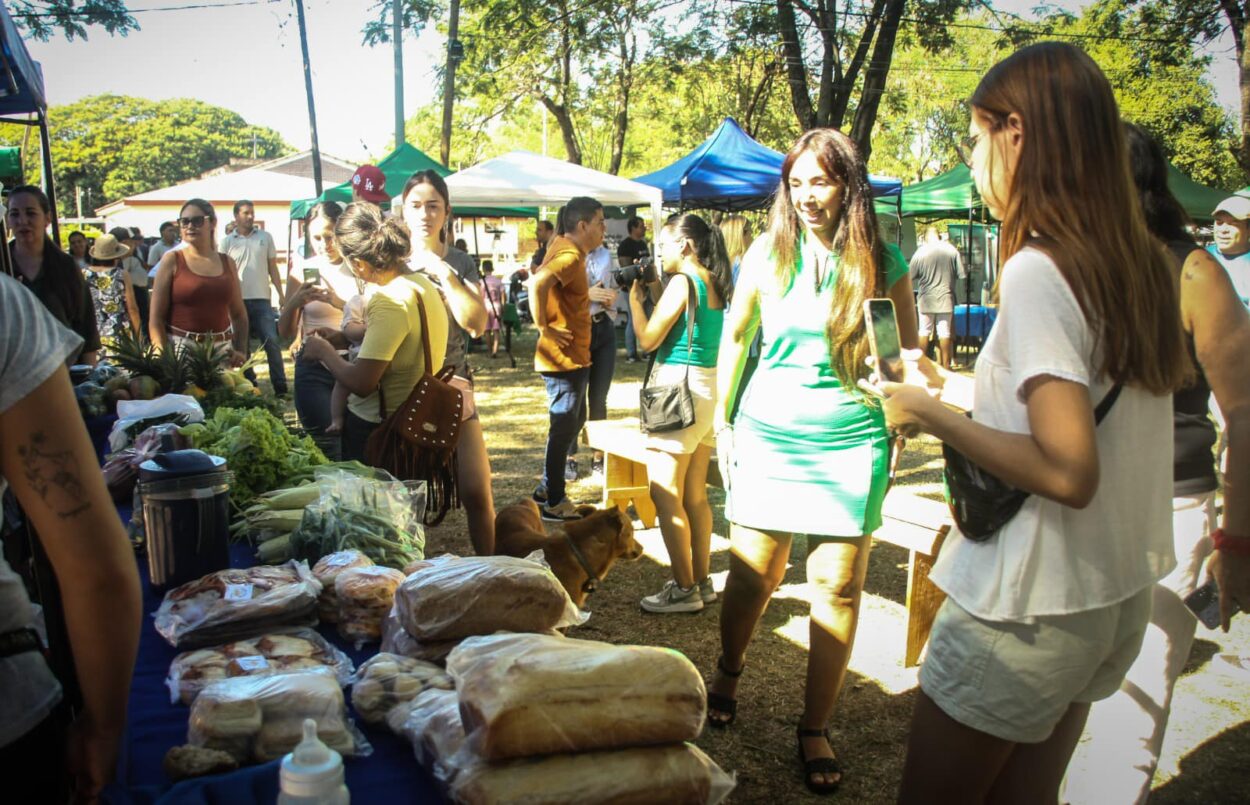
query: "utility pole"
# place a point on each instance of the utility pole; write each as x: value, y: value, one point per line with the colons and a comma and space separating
x: 397, y: 34
x: 312, y: 109
x: 455, y: 52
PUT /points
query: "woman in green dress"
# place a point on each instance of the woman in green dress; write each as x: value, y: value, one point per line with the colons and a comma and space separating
x: 807, y: 452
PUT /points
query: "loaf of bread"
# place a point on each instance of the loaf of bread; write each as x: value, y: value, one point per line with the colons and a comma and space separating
x: 525, y: 694
x: 326, y: 571
x: 431, y: 723
x: 366, y: 595
x: 479, y: 595
x: 395, y: 640
x: 673, y: 775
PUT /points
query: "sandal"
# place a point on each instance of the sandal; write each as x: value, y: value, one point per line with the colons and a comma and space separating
x: 721, y: 703
x: 819, y: 765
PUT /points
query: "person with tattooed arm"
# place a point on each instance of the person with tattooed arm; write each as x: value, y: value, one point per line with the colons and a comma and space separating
x: 47, y: 459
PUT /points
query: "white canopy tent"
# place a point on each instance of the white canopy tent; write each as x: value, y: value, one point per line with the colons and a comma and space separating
x: 524, y: 179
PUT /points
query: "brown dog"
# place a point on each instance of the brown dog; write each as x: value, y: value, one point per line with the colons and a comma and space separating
x: 601, y: 536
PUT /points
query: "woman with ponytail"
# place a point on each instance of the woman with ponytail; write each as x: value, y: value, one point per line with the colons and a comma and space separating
x: 693, y: 255
x: 807, y: 452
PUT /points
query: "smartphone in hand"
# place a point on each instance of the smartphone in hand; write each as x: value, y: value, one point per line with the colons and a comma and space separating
x: 312, y: 275
x: 883, y: 339
x: 1204, y: 602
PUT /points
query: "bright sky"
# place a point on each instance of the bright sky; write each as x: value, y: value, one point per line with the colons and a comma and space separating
x: 247, y: 58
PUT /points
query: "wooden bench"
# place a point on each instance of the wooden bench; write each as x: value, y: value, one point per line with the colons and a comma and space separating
x: 624, y: 466
x: 917, y: 524
x: 920, y: 525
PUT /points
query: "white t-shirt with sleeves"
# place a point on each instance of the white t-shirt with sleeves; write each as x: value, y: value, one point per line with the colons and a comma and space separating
x: 1051, y: 559
x: 33, y: 345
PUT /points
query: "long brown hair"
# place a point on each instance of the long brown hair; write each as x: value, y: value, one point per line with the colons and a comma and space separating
x: 857, y: 244
x: 1072, y: 196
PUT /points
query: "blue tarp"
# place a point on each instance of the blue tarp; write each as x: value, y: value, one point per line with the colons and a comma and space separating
x: 21, y: 80
x: 731, y: 171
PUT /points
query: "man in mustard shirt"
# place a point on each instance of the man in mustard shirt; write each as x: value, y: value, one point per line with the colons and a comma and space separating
x: 560, y: 302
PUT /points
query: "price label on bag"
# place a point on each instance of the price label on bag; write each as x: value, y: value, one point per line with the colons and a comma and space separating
x: 252, y: 663
x: 238, y: 592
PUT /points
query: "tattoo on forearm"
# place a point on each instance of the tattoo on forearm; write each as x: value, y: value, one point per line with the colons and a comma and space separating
x: 54, y: 475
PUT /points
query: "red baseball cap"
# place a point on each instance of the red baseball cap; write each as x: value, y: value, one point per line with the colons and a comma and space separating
x: 370, y: 184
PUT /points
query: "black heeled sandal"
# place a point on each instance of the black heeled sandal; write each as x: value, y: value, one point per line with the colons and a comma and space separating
x: 818, y: 765
x: 721, y: 703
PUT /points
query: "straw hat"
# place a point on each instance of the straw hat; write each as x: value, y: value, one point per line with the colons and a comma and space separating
x: 106, y: 247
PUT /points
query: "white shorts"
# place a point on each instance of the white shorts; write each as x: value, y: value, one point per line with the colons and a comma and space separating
x: 1015, y: 680
x: 942, y: 322
x: 702, y: 381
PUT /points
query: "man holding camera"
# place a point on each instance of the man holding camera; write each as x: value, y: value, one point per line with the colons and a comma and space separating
x: 634, y: 251
x: 560, y: 302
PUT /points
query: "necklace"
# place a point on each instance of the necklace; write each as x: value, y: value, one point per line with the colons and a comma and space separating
x: 820, y: 268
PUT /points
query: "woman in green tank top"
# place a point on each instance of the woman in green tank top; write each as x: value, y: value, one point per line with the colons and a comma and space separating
x: 693, y: 255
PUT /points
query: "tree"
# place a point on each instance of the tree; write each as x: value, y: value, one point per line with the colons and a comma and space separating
x: 41, y: 19
x: 113, y: 146
x: 854, y: 46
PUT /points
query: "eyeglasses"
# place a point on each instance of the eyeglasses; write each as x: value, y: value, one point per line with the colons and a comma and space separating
x: 966, y: 146
x: 192, y: 221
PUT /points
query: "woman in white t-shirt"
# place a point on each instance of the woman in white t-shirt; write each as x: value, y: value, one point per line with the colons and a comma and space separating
x: 315, y: 297
x: 1046, y: 616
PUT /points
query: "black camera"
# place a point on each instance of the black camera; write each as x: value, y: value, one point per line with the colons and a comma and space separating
x: 644, y: 269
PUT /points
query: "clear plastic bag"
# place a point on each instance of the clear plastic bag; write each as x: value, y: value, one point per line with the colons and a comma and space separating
x: 132, y: 413
x: 676, y: 773
x: 258, y: 719
x: 238, y: 603
x: 478, y: 595
x: 326, y: 571
x: 526, y: 694
x: 366, y: 595
x: 397, y: 641
x: 380, y: 518
x: 387, y: 680
x: 679, y: 774
x: 282, y: 651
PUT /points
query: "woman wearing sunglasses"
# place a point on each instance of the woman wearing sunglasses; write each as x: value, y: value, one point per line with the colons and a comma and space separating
x: 1045, y: 615
x: 197, y: 296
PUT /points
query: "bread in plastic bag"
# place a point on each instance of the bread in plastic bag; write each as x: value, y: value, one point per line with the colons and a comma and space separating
x: 389, y: 679
x: 282, y: 651
x: 477, y: 595
x: 258, y: 719
x: 366, y: 595
x: 431, y: 723
x: 679, y: 774
x: 526, y: 694
x: 326, y: 571
x: 238, y: 603
x: 397, y: 641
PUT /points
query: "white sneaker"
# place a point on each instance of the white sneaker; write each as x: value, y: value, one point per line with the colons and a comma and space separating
x: 672, y: 598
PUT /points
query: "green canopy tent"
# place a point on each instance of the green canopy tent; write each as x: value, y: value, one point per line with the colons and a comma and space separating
x: 397, y: 166
x: 953, y: 195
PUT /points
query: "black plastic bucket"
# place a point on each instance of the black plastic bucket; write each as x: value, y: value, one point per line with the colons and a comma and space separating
x: 186, y: 513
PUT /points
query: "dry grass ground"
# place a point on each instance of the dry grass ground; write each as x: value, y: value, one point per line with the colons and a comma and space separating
x: 1208, y: 740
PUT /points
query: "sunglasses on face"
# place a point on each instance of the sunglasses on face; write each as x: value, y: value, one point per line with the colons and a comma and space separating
x: 192, y: 221
x: 965, y: 147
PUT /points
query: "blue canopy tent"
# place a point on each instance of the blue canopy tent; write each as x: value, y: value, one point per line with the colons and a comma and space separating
x: 21, y: 93
x: 730, y: 171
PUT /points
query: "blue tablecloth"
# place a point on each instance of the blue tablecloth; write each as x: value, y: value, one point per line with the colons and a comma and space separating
x: 390, y: 774
x: 973, y: 321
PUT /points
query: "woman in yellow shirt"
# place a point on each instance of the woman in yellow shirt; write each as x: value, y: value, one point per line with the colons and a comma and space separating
x: 391, y: 357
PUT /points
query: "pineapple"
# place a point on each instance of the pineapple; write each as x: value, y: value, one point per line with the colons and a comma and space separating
x: 204, y: 362
x: 134, y: 354
x: 171, y: 368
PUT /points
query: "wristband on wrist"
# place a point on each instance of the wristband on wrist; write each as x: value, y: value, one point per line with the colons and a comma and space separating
x: 1230, y: 544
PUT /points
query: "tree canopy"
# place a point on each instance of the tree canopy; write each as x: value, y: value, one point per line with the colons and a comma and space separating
x: 113, y: 146
x: 42, y: 19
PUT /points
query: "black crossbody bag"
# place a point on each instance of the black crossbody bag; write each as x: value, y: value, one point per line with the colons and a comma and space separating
x: 665, y: 408
x: 980, y: 501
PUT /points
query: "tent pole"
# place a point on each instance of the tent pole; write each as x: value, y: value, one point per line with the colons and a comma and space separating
x: 49, y: 185
x: 476, y: 250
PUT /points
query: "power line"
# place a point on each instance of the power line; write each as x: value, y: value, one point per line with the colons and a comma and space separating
x: 83, y: 13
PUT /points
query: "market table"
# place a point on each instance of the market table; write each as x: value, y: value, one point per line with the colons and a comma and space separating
x: 973, y: 321
x: 390, y: 774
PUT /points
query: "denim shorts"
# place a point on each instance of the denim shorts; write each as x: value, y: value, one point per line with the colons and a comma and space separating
x: 1015, y: 680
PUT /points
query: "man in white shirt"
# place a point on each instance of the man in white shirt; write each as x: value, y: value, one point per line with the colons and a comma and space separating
x: 168, y: 242
x: 603, y: 291
x: 253, y: 251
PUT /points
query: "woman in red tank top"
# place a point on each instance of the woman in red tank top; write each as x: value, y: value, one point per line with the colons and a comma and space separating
x: 196, y: 295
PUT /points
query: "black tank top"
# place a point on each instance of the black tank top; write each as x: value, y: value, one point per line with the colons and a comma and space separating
x: 1193, y: 469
